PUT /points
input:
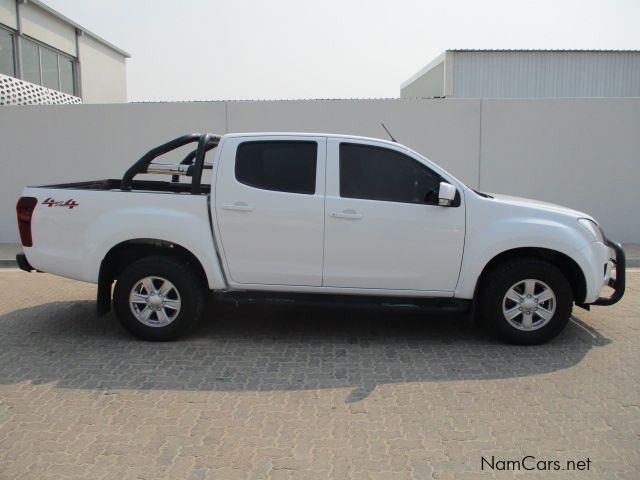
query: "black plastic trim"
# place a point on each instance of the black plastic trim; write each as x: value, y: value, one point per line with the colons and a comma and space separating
x: 23, y: 263
x: 142, y: 185
x: 426, y: 304
x: 103, y: 294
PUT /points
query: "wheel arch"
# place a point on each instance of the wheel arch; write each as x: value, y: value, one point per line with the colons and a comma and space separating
x: 128, y: 251
x: 569, y: 268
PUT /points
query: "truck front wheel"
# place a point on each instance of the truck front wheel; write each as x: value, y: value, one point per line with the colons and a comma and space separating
x: 525, y: 301
x: 158, y: 298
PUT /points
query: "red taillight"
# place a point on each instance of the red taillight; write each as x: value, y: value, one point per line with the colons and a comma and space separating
x: 25, y: 208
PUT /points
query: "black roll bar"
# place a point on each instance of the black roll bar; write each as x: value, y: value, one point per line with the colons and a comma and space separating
x: 198, y: 164
x: 205, y: 141
x: 188, y: 160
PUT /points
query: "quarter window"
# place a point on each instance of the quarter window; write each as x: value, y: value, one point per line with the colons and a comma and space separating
x: 376, y: 173
x: 282, y: 166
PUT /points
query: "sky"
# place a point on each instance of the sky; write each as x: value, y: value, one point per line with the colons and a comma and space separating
x: 288, y: 49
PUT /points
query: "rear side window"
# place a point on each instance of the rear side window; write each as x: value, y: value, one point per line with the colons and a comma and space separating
x: 282, y: 166
x: 376, y: 173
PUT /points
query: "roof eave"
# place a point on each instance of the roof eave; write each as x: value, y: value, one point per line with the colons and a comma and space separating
x: 80, y: 28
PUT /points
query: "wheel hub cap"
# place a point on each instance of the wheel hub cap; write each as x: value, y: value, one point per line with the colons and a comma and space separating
x: 529, y: 304
x: 155, y: 301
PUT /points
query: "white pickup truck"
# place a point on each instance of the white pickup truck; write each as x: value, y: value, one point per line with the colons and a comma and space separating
x: 309, y: 218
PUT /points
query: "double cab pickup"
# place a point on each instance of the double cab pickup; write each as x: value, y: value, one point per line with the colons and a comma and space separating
x: 315, y: 218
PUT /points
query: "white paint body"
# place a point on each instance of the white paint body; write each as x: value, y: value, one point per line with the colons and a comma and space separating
x: 264, y: 240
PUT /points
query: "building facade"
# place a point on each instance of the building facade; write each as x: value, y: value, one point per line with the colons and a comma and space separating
x: 527, y: 74
x: 44, y: 52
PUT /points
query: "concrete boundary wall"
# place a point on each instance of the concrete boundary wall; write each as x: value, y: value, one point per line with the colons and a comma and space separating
x: 583, y: 153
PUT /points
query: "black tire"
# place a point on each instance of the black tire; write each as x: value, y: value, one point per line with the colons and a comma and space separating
x: 499, y: 281
x: 186, y: 283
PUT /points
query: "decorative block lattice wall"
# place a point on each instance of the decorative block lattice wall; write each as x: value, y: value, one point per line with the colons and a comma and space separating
x: 18, y: 92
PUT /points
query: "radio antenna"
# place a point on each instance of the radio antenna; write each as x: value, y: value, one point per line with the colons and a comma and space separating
x: 388, y: 132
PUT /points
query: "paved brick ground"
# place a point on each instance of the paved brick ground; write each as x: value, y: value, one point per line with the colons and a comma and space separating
x: 295, y: 394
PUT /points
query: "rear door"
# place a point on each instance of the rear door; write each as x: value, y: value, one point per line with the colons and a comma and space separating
x: 384, y: 228
x: 269, y: 208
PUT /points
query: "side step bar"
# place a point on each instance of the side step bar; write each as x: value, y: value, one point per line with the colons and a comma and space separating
x: 436, y: 305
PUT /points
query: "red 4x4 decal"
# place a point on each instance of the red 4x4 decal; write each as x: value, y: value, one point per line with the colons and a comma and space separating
x: 50, y: 202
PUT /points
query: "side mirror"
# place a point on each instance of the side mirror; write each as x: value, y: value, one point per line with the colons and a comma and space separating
x: 446, y: 194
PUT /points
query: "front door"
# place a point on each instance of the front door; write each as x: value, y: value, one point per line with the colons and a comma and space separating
x: 269, y: 208
x: 384, y: 229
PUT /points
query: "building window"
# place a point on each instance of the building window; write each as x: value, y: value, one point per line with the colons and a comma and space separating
x: 66, y: 74
x: 30, y: 61
x: 7, y: 64
x: 46, y: 67
x: 49, y: 66
x: 281, y: 166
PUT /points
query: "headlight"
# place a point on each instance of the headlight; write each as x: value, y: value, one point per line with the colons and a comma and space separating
x: 593, y: 228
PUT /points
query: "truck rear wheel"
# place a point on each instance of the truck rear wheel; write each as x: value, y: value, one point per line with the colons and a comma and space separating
x: 525, y: 301
x: 158, y: 298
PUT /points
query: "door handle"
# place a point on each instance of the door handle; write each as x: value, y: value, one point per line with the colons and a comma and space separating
x: 238, y: 207
x: 348, y: 214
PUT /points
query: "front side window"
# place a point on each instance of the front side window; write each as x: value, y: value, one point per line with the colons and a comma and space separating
x: 282, y: 166
x: 7, y: 65
x: 376, y: 173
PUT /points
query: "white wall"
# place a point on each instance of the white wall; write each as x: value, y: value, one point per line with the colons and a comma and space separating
x: 48, y: 29
x: 447, y: 131
x: 8, y: 13
x: 431, y: 84
x: 583, y: 153
x: 103, y: 75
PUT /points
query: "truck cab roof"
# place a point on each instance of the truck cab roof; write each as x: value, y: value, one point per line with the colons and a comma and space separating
x: 309, y: 134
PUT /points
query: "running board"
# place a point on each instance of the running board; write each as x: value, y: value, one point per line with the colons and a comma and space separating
x: 435, y: 305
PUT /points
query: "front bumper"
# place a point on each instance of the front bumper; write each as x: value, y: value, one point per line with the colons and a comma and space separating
x: 618, y: 283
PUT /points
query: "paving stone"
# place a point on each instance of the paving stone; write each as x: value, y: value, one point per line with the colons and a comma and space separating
x: 295, y: 393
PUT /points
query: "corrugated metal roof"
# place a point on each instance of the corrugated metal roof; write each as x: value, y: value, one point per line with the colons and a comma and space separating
x: 531, y: 73
x: 535, y: 74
